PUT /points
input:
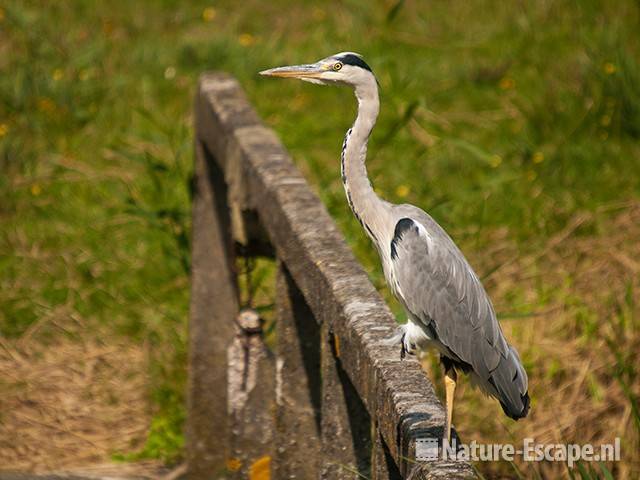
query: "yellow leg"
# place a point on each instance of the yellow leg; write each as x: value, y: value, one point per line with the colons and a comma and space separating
x: 450, y: 378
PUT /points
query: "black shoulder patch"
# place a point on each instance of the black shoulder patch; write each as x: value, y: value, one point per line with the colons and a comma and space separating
x: 402, y: 226
x: 355, y: 60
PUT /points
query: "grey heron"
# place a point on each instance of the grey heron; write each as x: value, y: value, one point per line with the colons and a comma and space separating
x: 446, y: 304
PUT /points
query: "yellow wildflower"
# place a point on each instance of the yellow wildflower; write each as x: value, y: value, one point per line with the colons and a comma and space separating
x: 495, y: 161
x: 170, y: 73
x: 57, y: 75
x: 4, y: 129
x: 261, y: 469
x: 609, y: 68
x: 36, y: 189
x: 402, y: 191
x: 233, y: 464
x: 507, y: 83
x: 209, y: 14
x: 538, y: 157
x: 84, y: 75
x: 246, y: 39
x: 46, y: 105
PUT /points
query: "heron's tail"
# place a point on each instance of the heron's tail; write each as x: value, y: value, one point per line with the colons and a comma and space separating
x: 510, y: 382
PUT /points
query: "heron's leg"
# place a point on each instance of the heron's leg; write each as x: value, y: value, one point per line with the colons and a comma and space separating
x: 450, y: 378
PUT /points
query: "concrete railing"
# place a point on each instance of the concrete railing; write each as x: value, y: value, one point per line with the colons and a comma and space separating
x: 333, y: 401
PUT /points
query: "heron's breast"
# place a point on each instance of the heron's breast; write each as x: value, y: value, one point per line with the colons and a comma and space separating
x: 390, y: 275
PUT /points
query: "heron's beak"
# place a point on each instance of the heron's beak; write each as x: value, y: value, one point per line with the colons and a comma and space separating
x: 296, y: 71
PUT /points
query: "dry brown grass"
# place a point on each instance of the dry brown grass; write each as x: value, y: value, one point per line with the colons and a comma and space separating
x: 71, y: 399
x: 582, y: 285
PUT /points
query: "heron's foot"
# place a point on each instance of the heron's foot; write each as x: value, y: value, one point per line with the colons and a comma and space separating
x: 407, y: 347
x: 402, y: 337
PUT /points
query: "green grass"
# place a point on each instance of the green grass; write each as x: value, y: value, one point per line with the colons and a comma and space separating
x: 495, y: 116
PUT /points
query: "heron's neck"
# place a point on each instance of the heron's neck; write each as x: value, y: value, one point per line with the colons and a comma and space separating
x: 368, y: 208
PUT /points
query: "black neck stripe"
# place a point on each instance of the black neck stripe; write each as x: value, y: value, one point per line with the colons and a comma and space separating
x: 355, y: 60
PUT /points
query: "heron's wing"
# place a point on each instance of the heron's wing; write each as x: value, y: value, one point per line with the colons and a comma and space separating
x: 441, y: 290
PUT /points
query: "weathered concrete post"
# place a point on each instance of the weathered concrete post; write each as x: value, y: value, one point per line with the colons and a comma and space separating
x: 214, y: 305
x: 251, y: 375
x: 298, y: 450
x: 382, y: 465
x: 346, y: 425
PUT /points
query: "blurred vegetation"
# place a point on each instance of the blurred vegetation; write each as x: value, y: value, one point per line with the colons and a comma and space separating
x: 500, y: 119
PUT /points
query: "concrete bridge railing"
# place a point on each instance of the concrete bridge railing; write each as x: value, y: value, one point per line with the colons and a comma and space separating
x: 333, y: 401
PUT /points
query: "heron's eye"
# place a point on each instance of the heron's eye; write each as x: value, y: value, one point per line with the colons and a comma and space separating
x: 337, y: 66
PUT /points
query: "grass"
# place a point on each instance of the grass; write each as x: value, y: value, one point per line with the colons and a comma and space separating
x: 515, y: 125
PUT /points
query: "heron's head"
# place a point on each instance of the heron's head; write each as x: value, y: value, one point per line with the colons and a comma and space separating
x: 342, y: 68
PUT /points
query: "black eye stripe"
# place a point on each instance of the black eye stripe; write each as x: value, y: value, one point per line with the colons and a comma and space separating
x: 354, y: 60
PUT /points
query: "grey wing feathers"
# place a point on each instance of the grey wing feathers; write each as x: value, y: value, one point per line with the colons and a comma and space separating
x: 439, y: 288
